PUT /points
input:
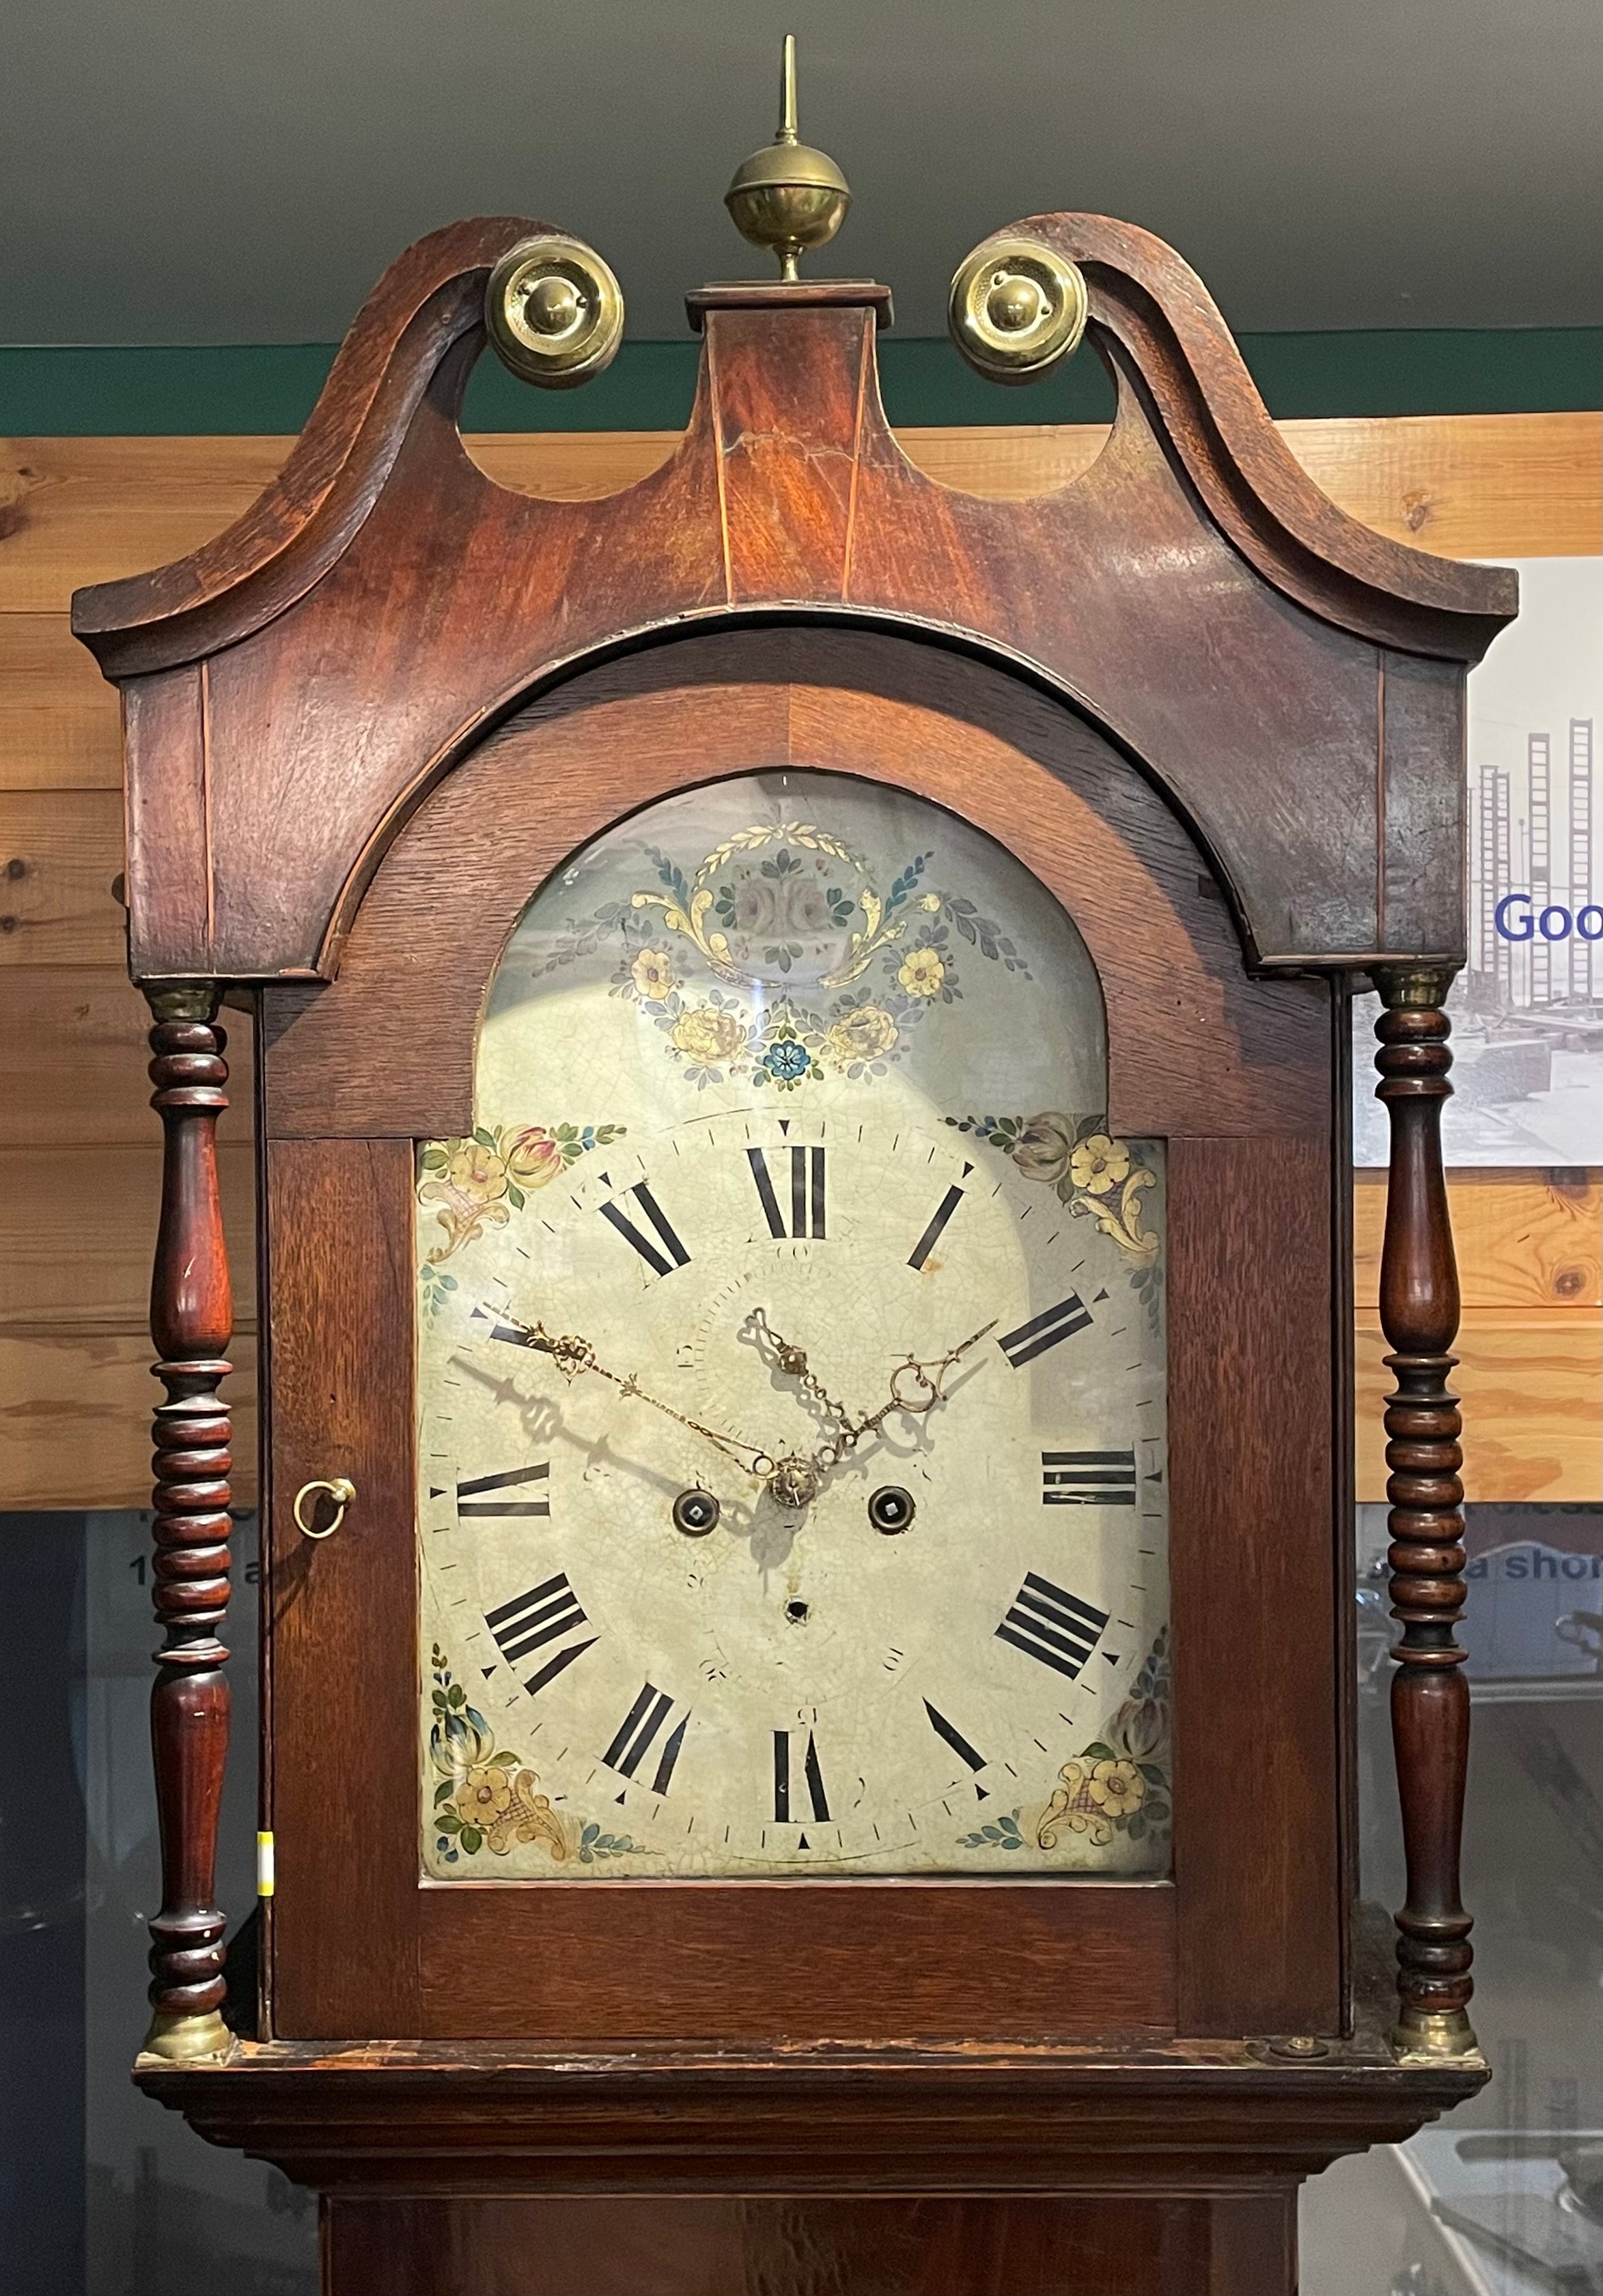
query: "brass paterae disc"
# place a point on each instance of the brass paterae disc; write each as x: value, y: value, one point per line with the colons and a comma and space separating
x: 554, y: 310
x: 1017, y: 309
x: 788, y: 197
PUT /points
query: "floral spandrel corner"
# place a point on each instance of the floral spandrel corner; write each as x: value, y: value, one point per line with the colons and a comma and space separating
x: 775, y: 958
x: 487, y: 1800
x: 1098, y: 1178
x: 1120, y: 1784
x: 480, y: 1182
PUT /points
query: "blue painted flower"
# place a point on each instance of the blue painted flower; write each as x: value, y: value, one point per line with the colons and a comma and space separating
x: 787, y: 1062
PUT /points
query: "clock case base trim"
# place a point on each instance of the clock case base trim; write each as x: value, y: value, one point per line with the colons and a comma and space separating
x: 1199, y: 2118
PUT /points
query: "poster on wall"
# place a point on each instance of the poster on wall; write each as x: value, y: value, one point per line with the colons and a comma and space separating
x: 1527, y: 1011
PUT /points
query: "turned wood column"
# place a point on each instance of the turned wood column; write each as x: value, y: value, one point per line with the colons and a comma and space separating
x: 191, y: 1320
x: 1430, y: 1698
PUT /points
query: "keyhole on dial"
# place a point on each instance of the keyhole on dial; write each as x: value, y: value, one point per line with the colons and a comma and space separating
x: 796, y: 1612
x: 891, y: 1509
x: 695, y: 1513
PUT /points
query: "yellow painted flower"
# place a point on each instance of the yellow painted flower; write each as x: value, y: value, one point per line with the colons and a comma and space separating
x: 476, y: 1172
x: 707, y: 1034
x: 1116, y: 1787
x: 1098, y: 1164
x: 533, y: 1156
x: 863, y: 1035
x: 653, y: 975
x: 930, y: 901
x: 482, y: 1796
x: 920, y: 972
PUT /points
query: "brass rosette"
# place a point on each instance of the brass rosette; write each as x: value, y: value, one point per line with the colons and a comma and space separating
x: 554, y: 311
x: 1017, y: 309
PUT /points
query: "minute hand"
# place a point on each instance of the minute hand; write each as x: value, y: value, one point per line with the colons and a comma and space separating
x: 573, y: 1355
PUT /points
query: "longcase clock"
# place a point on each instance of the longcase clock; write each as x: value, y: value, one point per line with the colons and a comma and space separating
x: 801, y: 1114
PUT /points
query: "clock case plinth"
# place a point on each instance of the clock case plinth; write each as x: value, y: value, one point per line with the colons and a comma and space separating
x: 1291, y: 687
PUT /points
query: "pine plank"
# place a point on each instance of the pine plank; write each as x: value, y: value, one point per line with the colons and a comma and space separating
x: 59, y: 851
x: 77, y: 1234
x: 60, y: 724
x: 1531, y: 1379
x: 89, y: 510
x: 73, y: 1057
x: 1526, y: 1239
x: 1464, y: 486
x: 75, y: 1421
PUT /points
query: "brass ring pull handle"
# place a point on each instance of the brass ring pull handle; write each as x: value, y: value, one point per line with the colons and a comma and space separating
x: 339, y: 1489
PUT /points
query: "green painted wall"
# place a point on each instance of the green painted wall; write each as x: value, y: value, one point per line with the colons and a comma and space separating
x: 121, y: 389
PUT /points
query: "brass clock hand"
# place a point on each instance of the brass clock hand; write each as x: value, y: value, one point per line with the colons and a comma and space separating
x: 573, y: 1356
x: 913, y: 1392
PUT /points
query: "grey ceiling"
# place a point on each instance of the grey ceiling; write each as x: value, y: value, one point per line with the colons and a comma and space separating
x: 239, y: 170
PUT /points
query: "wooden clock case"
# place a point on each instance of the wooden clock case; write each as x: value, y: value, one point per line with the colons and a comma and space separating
x: 1223, y: 723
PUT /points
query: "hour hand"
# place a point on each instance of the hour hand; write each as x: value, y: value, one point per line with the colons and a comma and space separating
x: 774, y: 1347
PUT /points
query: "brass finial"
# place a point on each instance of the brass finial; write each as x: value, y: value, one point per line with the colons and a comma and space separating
x: 788, y: 197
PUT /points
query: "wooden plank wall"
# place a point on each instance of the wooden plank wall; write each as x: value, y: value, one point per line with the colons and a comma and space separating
x: 79, y: 1153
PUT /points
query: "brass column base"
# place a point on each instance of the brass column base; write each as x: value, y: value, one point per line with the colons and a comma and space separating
x: 180, y: 2038
x: 1430, y: 2035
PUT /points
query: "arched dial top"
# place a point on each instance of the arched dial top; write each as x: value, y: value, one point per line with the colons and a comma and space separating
x: 792, y: 1378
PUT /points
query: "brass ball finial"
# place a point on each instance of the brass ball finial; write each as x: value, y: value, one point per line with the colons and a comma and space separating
x: 788, y: 197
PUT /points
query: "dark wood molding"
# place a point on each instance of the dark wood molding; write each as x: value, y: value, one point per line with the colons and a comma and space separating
x: 192, y: 1321
x: 1430, y: 1698
x: 1196, y: 2117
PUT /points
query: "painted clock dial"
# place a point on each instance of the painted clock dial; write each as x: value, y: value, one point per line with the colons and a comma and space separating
x: 792, y: 1468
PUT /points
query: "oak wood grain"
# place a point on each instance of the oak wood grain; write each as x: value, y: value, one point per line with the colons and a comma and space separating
x: 862, y: 1960
x: 1193, y: 1042
x: 1194, y: 1048
x: 1253, y: 1548
x: 578, y: 2246
x: 789, y: 494
x: 1213, y: 2117
x: 341, y: 1787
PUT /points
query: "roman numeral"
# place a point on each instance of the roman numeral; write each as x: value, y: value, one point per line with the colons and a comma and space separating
x: 1088, y: 1478
x: 1045, y: 1331
x: 638, y: 1733
x: 1058, y: 1629
x: 673, y: 1253
x: 803, y: 1216
x: 531, y: 1620
x: 811, y: 1782
x: 471, y: 1507
x: 954, y: 1738
x: 932, y: 1235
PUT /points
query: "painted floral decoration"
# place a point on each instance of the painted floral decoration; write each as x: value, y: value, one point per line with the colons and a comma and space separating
x: 1097, y: 1177
x: 480, y: 1182
x: 775, y: 958
x: 1117, y: 1784
x: 487, y: 1801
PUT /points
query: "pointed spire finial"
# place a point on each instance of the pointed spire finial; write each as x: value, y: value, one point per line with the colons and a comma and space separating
x: 788, y: 197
